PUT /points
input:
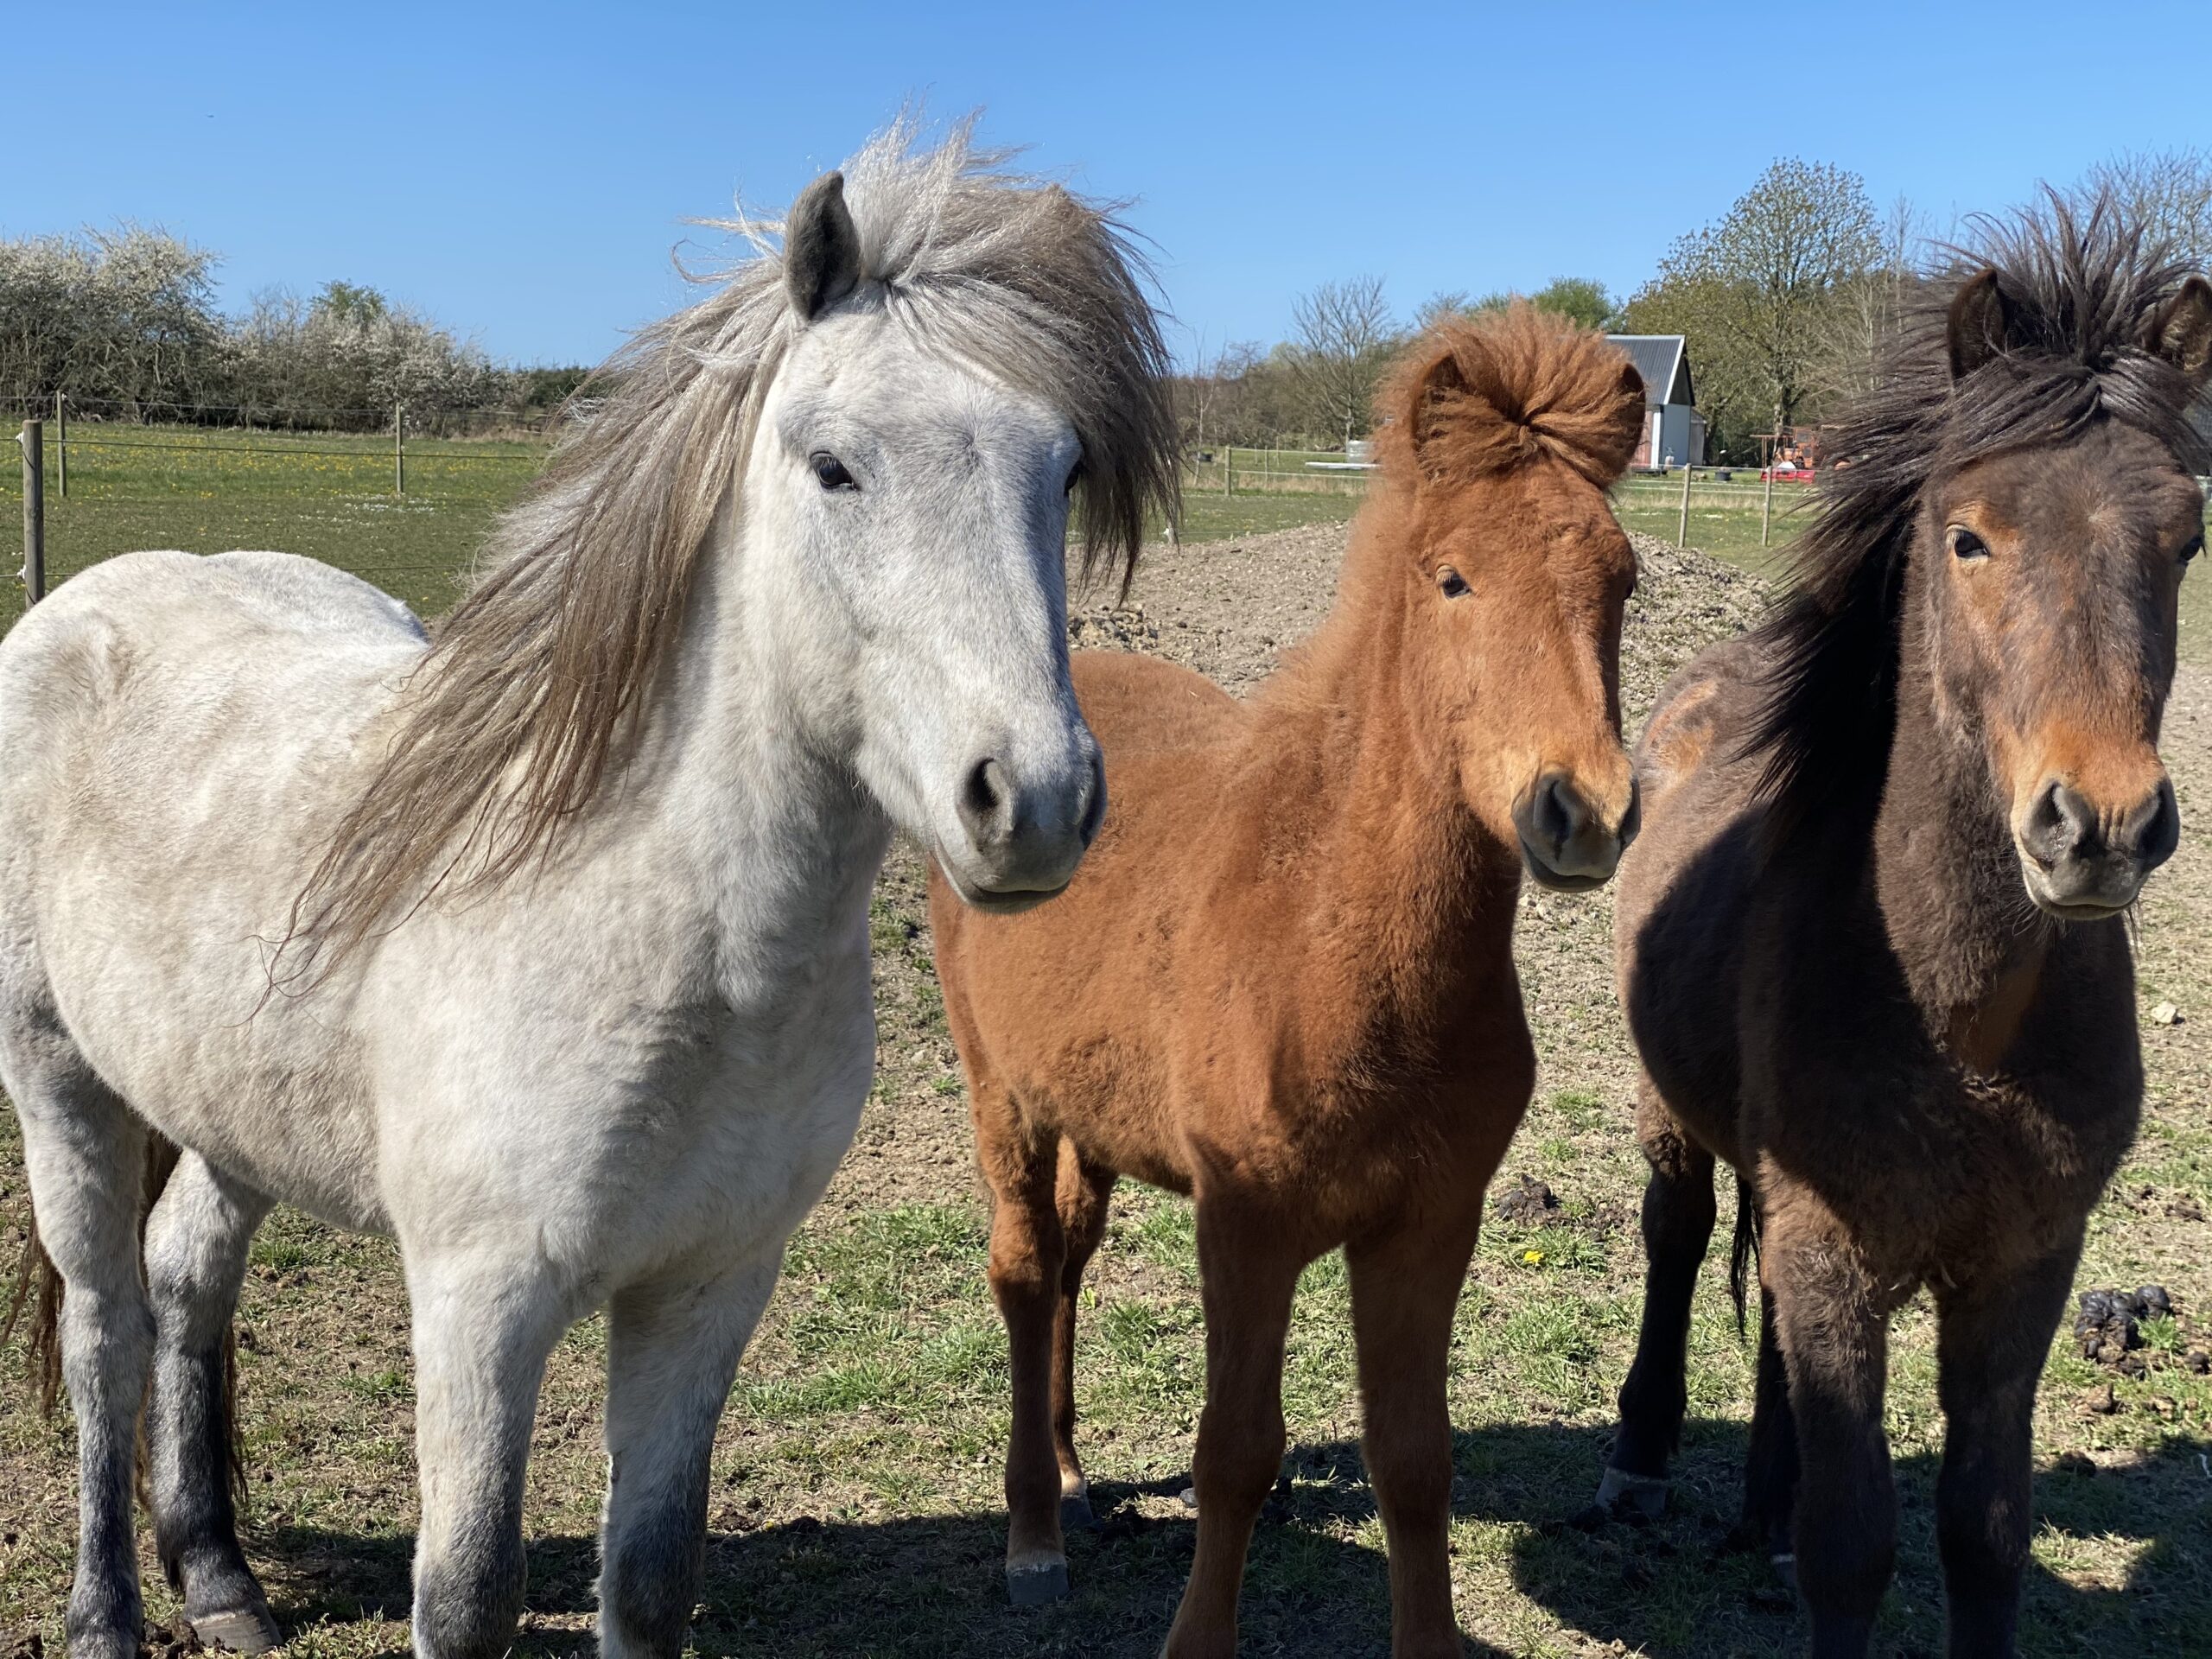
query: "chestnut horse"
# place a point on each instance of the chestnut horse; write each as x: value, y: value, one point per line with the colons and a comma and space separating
x: 1871, y: 942
x: 1306, y: 1017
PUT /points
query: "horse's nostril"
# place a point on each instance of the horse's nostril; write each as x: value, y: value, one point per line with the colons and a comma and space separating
x: 2153, y: 830
x: 1559, y: 813
x: 1094, y: 804
x: 2060, y: 824
x: 987, y: 803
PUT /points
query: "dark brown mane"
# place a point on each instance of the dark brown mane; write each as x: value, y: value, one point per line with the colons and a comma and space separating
x: 2081, y: 286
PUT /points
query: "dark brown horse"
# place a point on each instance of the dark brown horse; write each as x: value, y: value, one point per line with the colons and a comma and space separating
x: 1283, y: 981
x: 1872, y: 942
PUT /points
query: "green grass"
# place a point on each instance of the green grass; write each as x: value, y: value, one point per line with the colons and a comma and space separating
x: 1217, y: 518
x: 1723, y: 519
x: 330, y: 496
x: 325, y: 495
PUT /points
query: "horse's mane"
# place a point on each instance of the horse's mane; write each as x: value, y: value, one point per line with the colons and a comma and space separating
x: 512, y: 722
x: 1529, y: 384
x: 2083, y: 284
x: 1470, y: 398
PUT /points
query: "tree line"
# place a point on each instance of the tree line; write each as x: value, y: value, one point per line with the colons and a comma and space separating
x: 1783, y: 301
x: 124, y: 322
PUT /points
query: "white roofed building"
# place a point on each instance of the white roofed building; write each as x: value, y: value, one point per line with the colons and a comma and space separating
x: 1673, y: 432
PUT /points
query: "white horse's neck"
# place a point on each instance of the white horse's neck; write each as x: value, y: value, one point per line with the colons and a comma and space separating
x: 745, y: 757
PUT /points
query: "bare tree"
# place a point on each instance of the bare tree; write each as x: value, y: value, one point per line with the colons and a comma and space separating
x: 1764, y: 283
x: 2170, y: 191
x: 1868, y: 306
x: 1442, y: 307
x: 1344, y: 338
x: 1212, y: 380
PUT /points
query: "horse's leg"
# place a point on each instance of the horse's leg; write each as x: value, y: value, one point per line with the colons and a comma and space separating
x: 1084, y: 1191
x: 1993, y: 1340
x: 1027, y: 1255
x: 85, y: 1150
x: 1771, y: 1467
x: 672, y: 1350
x: 1832, y: 1323
x: 1248, y: 1277
x: 196, y: 1243
x: 1678, y: 1214
x: 482, y: 1329
x: 1405, y: 1289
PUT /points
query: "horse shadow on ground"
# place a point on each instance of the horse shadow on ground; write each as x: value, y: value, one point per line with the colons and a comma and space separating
x: 931, y: 1586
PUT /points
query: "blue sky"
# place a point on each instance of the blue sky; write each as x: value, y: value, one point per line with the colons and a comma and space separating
x: 522, y: 173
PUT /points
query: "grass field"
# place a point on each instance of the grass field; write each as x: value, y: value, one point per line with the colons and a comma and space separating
x: 856, y: 1506
x: 327, y: 495
x: 330, y: 496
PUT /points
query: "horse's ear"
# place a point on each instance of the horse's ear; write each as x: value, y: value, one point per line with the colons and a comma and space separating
x: 822, y: 251
x: 2182, y: 332
x: 1982, y: 321
x: 1441, y: 380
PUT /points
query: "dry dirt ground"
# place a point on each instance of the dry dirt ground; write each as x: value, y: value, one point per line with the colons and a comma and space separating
x: 855, y: 1505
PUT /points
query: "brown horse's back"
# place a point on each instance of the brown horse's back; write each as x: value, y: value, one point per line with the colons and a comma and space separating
x: 1684, y: 888
x: 1143, y: 707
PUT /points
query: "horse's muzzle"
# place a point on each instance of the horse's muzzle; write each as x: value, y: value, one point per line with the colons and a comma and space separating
x: 1024, y: 840
x: 1565, y: 841
x: 2081, y: 862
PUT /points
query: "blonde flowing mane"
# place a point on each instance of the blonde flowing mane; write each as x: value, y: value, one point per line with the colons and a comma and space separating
x: 512, y: 723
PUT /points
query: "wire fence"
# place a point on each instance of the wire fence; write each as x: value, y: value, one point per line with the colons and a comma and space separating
x: 315, y: 419
x: 1660, y: 502
x: 403, y: 509
x: 407, y: 509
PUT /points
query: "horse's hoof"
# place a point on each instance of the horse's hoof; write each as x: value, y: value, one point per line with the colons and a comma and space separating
x: 1188, y: 1497
x: 1646, y: 1495
x: 1785, y: 1571
x: 1036, y: 1585
x: 242, y: 1630
x: 1075, y: 1513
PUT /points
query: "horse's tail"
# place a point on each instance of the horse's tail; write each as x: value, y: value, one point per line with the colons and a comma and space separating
x: 1744, y: 1254
x: 39, y: 1291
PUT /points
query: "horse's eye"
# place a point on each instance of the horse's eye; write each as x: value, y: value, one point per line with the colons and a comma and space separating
x: 1965, y: 545
x: 1454, y: 584
x: 830, y: 471
x: 2191, y: 548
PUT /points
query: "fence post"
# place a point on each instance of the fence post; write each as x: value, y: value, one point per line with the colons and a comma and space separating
x: 1229, y: 469
x: 1766, y: 505
x: 399, y: 450
x: 61, y: 445
x: 33, y: 442
x: 1683, y: 530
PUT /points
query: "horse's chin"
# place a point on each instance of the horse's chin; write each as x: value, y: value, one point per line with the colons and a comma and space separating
x: 2076, y: 912
x: 2088, y: 907
x: 1554, y: 881
x: 993, y: 901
